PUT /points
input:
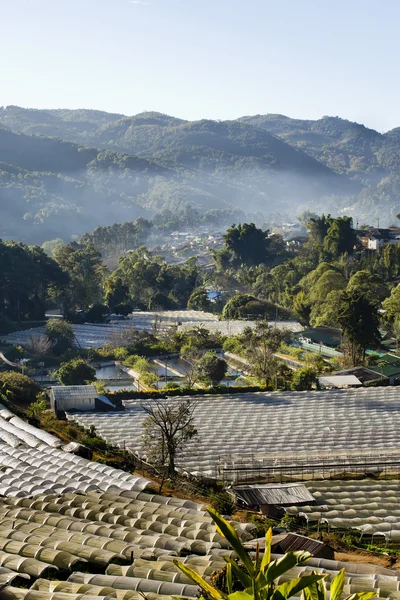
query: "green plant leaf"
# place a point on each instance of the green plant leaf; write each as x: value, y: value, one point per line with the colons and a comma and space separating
x: 288, y: 561
x: 243, y: 577
x: 229, y: 582
x: 266, y: 559
x: 314, y: 592
x: 337, y: 585
x: 292, y: 588
x: 240, y: 596
x: 361, y: 596
x: 227, y: 531
x: 213, y: 592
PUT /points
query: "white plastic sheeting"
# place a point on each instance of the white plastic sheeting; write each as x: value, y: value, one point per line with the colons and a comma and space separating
x: 96, y: 335
x: 117, y: 528
x: 247, y: 429
x: 371, y: 506
x: 45, y: 469
x: 32, y: 462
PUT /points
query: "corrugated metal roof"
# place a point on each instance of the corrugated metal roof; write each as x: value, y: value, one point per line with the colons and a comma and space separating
x: 291, y: 542
x: 65, y: 392
x: 278, y: 494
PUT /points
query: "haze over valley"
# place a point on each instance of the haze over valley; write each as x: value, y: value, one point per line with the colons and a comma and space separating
x: 63, y: 172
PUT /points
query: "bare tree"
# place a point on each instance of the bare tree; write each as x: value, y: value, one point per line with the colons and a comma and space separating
x: 39, y: 345
x: 168, y: 427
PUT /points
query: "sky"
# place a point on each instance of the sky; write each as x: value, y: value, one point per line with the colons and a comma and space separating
x: 215, y: 59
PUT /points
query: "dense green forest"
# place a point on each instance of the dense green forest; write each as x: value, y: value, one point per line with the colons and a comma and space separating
x: 330, y: 280
x: 64, y: 172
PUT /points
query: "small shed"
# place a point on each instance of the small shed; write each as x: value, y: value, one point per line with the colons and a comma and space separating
x: 64, y: 398
x: 270, y: 499
x: 291, y: 542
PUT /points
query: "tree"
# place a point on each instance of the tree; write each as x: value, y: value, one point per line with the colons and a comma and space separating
x: 371, y: 286
x: 248, y: 244
x: 304, y: 378
x: 20, y: 389
x: 222, y: 501
x: 51, y: 245
x: 392, y: 304
x: 211, y: 369
x: 145, y: 370
x: 27, y: 275
x: 359, y: 321
x: 167, y: 429
x: 235, y: 308
x: 62, y: 336
x: 318, y: 230
x: 85, y: 271
x: 305, y: 217
x: 341, y: 237
x: 123, y: 309
x: 396, y: 330
x: 115, y: 292
x: 76, y: 372
x: 97, y: 313
x: 199, y: 300
x: 260, y: 345
x: 329, y: 281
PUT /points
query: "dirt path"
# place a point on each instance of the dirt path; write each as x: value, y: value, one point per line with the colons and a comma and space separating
x: 365, y: 558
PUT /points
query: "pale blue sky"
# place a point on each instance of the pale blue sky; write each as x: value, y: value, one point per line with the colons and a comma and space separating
x: 195, y: 59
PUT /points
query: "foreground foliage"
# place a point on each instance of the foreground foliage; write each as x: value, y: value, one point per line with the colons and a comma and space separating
x: 259, y: 579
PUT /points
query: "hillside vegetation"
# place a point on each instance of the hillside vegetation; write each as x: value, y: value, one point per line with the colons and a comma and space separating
x: 67, y: 171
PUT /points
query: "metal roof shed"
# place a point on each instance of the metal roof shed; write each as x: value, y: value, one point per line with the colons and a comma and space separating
x: 270, y: 498
x: 73, y: 397
x: 292, y: 542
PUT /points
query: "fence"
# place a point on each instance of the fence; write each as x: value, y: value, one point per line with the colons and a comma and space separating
x: 272, y: 469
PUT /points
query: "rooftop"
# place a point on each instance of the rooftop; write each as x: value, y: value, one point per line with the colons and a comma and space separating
x: 277, y: 494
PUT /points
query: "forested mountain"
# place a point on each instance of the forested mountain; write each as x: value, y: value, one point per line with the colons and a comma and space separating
x: 111, y: 168
x: 50, y: 188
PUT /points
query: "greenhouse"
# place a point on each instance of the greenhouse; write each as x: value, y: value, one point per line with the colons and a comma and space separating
x: 71, y: 529
x: 253, y: 431
x: 96, y: 335
x: 369, y: 506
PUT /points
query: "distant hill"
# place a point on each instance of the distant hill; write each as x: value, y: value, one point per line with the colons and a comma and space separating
x: 121, y: 167
x: 344, y: 146
x: 50, y: 188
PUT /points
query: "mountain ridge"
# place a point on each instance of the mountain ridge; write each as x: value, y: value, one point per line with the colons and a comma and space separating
x: 263, y: 164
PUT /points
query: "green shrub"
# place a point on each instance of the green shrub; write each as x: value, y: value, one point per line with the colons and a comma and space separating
x: 261, y: 524
x: 36, y: 408
x: 76, y: 372
x: 222, y: 502
x: 291, y: 523
x: 72, y: 432
x: 95, y: 443
x: 61, y: 334
x: 21, y: 388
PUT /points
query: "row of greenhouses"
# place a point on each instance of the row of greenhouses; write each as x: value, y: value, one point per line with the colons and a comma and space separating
x: 33, y: 461
x: 103, y: 533
x: 265, y: 427
x: 369, y: 506
x: 122, y: 544
x: 96, y: 335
